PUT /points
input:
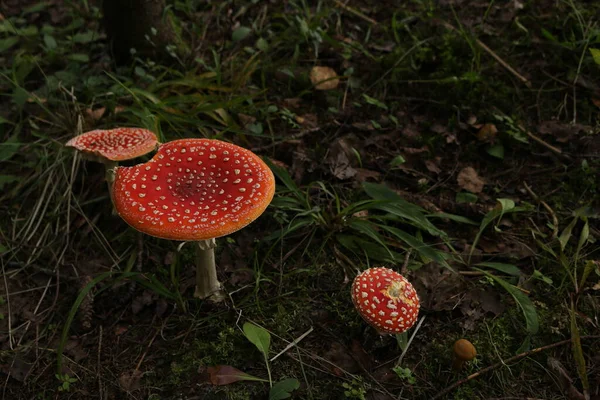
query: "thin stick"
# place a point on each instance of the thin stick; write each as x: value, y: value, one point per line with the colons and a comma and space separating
x: 545, y: 144
x: 410, y: 341
x: 546, y: 206
x: 355, y: 12
x: 493, y: 54
x: 292, y: 344
x: 504, y: 362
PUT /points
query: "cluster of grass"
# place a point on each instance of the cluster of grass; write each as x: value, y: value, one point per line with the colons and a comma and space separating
x: 243, y: 75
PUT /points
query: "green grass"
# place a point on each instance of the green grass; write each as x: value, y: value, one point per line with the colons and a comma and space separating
x: 406, y: 117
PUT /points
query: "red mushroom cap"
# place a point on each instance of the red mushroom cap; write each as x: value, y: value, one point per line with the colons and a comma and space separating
x: 115, y: 144
x: 386, y: 300
x: 194, y: 189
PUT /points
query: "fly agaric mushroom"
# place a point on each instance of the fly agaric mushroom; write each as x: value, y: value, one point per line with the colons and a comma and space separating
x: 113, y: 145
x: 195, y: 190
x: 385, y: 300
x: 463, y: 351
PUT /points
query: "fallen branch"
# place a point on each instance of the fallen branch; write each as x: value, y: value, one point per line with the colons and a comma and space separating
x: 504, y: 362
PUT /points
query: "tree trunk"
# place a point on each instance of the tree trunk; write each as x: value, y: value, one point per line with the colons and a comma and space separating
x: 139, y: 25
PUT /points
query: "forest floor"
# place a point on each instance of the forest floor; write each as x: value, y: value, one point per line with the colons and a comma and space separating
x: 476, y: 122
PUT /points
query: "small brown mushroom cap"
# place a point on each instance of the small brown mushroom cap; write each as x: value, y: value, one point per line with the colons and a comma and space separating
x: 464, y: 350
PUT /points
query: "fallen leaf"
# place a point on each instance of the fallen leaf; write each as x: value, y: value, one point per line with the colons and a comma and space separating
x: 324, y: 78
x: 341, y: 360
x: 363, y: 358
x: 562, y: 132
x: 469, y: 180
x: 96, y: 114
x: 433, y: 165
x: 565, y: 381
x: 487, y: 133
x: 439, y: 288
x: 130, y: 382
x: 18, y: 369
x: 226, y: 374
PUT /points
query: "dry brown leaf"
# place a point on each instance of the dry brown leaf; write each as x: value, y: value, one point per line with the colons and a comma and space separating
x: 487, y: 133
x: 469, y: 180
x: 433, y: 165
x: 324, y: 78
x: 562, y: 132
x: 96, y: 114
x: 226, y: 374
x: 130, y: 382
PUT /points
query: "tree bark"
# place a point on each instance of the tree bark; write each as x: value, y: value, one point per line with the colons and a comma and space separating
x: 139, y: 25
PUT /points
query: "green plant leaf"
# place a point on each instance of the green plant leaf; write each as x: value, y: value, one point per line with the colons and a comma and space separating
x: 79, y: 57
x: 508, y: 269
x: 524, y: 302
x: 240, y: 33
x: 9, y: 148
x: 422, y: 248
x: 4, y: 179
x: 8, y: 42
x: 259, y: 337
x: 366, y: 228
x: 578, y: 351
x: 496, y: 150
x: 392, y: 203
x: 595, y: 55
x: 373, y: 101
x: 565, y: 235
x: 466, y: 197
x: 453, y: 217
x: 283, y: 389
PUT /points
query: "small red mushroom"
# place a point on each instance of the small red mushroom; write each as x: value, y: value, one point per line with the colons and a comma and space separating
x: 115, y: 144
x: 195, y: 190
x: 385, y: 300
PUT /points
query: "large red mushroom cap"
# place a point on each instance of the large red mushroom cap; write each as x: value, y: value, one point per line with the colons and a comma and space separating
x: 194, y: 189
x: 385, y: 300
x: 115, y: 144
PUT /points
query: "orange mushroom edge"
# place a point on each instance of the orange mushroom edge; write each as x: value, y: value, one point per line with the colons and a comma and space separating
x: 195, y: 190
x: 386, y: 300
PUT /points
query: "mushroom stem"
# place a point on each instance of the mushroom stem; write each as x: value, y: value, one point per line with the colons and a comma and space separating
x: 207, y: 283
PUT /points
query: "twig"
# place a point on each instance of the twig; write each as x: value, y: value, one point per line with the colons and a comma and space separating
x: 493, y: 54
x: 355, y: 12
x: 546, y: 206
x: 410, y: 341
x: 545, y: 144
x: 504, y: 362
x: 292, y: 344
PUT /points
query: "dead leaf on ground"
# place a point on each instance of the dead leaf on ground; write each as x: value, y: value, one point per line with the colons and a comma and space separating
x: 439, y: 288
x: 96, y: 114
x: 341, y: 360
x: 361, y: 356
x: 17, y: 368
x: 363, y: 175
x: 562, y: 132
x: 145, y: 299
x: 307, y: 120
x: 226, y: 374
x: 130, y: 381
x: 469, y: 180
x: 324, y: 78
x: 565, y: 381
x: 342, y: 157
x: 487, y: 133
x: 433, y: 165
